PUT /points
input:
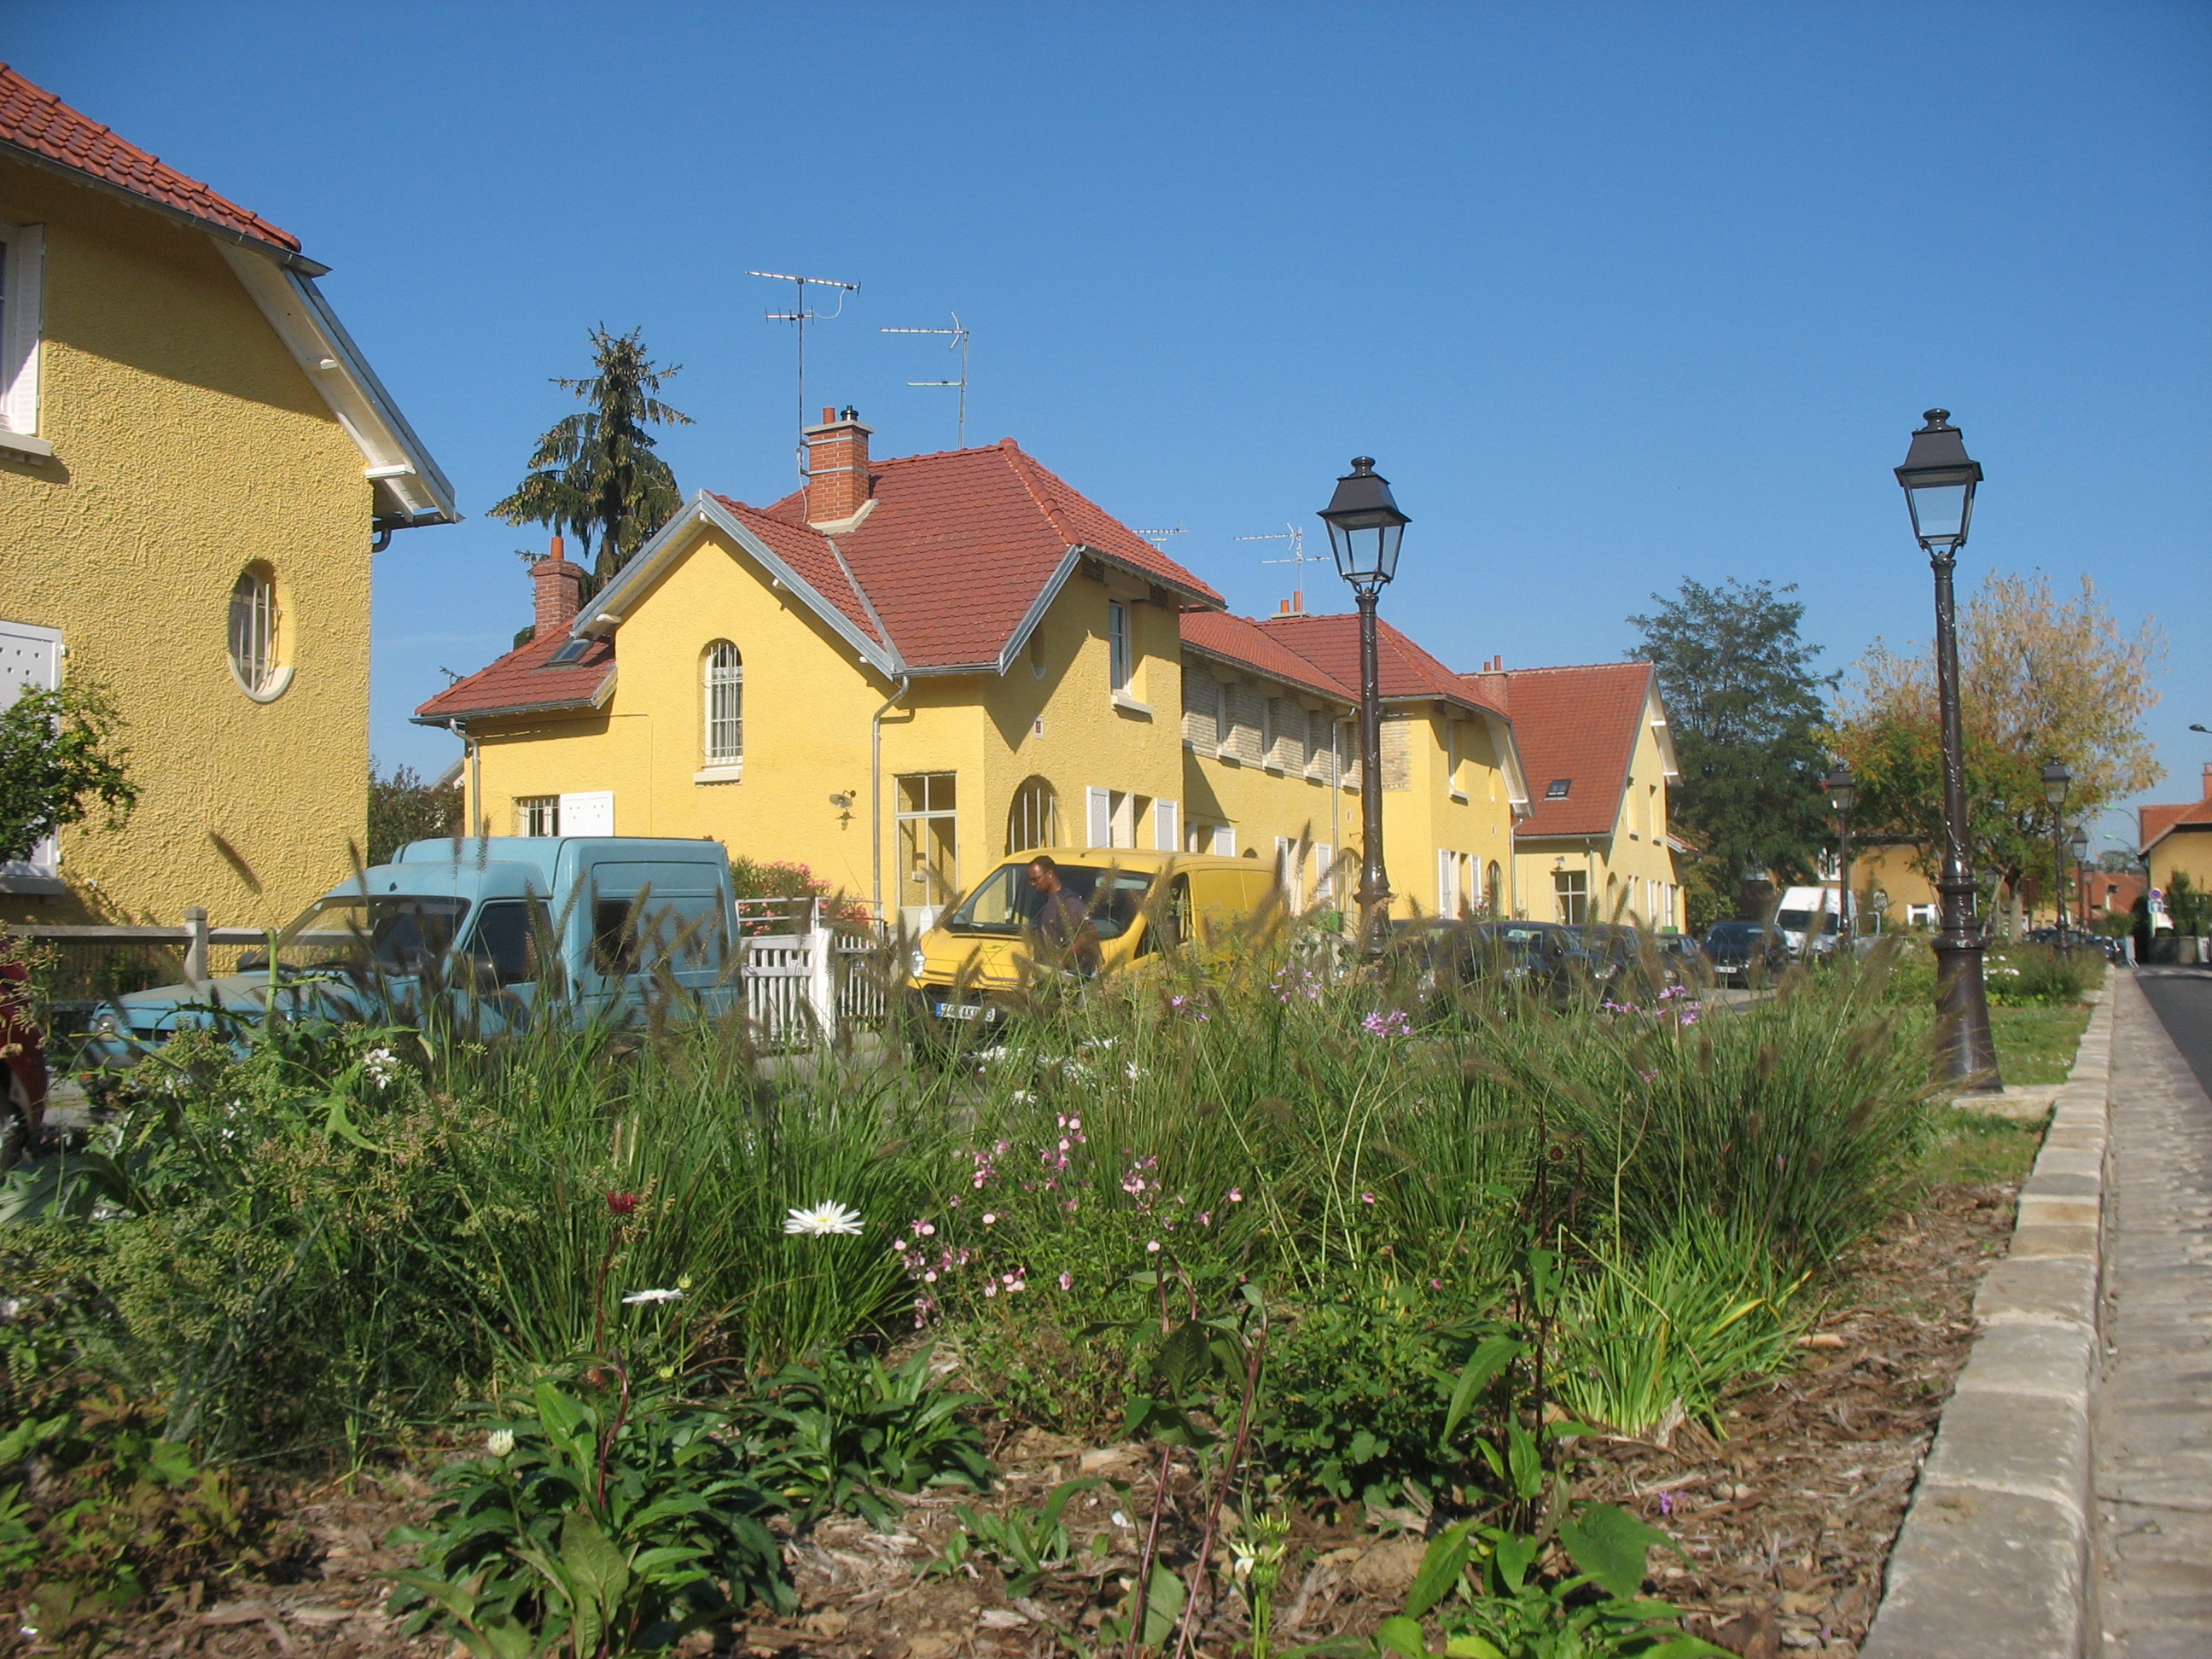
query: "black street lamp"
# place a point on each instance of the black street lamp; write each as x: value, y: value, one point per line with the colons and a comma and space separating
x: 1843, y: 789
x: 2056, y: 782
x: 2078, y: 844
x: 1938, y: 482
x: 1364, y: 529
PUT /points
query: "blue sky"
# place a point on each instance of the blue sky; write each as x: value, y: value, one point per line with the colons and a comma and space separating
x: 1615, y: 292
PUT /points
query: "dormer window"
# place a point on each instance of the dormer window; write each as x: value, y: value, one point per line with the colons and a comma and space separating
x: 1558, y: 789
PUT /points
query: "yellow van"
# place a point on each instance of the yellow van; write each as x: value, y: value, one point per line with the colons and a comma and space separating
x: 1138, y: 904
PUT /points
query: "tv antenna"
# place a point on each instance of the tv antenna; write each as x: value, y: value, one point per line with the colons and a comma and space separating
x: 800, y: 316
x: 1158, y: 537
x: 959, y: 344
x: 1296, y: 535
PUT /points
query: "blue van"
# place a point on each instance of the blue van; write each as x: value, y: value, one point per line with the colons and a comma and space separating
x: 488, y: 925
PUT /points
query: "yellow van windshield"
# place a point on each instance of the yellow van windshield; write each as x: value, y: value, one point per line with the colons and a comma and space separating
x: 1005, y: 903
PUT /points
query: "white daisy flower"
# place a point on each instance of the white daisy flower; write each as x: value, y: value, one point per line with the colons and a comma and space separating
x: 636, y: 1296
x: 821, y: 1220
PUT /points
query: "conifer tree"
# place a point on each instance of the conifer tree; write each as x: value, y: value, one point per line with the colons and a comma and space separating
x: 595, y: 475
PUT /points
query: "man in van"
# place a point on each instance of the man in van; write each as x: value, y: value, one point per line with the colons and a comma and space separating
x: 1063, y: 921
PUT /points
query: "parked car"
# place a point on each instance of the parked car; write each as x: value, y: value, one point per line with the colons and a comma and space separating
x: 486, y: 926
x: 1543, y: 957
x: 963, y: 972
x: 1739, y: 950
x: 22, y: 1067
x: 1795, y: 919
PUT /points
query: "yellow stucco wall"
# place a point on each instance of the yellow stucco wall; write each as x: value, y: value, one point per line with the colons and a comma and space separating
x: 2183, y: 850
x: 187, y: 443
x: 1629, y: 872
x: 808, y: 706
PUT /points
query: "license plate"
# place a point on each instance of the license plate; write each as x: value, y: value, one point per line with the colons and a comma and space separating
x: 960, y: 1011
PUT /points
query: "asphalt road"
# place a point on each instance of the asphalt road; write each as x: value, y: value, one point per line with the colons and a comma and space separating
x: 2182, y: 999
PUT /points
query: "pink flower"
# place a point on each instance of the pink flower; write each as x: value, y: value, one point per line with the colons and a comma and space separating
x: 1206, y: 1218
x: 1367, y: 1198
x: 1236, y: 1195
x: 1151, y: 1247
x: 990, y: 1220
x: 1068, y: 1281
x: 622, y: 1203
x: 990, y: 1287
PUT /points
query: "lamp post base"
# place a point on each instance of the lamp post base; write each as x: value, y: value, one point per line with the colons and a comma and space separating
x: 1966, y: 1053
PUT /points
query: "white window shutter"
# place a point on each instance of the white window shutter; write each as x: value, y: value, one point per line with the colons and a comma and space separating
x: 1167, y: 826
x: 1224, y: 840
x: 588, y: 812
x: 1447, y: 900
x: 1098, y: 817
x: 1325, y: 873
x: 20, y: 327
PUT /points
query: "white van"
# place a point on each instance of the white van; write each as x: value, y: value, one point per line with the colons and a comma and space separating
x: 1794, y: 919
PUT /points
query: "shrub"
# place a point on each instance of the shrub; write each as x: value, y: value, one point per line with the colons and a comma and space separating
x: 599, y: 1519
x: 2022, y: 975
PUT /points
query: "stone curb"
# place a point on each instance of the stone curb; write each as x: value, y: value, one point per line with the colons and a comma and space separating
x: 1994, y: 1554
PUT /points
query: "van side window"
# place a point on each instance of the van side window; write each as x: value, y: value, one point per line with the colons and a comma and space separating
x: 505, y: 950
x: 614, y: 940
x: 1171, y: 923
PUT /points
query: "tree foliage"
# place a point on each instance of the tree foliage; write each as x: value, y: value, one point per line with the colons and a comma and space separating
x: 2040, y: 679
x: 595, y: 475
x: 1744, y: 706
x: 402, y: 808
x: 60, y: 755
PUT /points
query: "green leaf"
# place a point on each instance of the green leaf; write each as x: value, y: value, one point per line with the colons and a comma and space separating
x: 1163, y: 1601
x: 1182, y: 1358
x: 1527, y: 1465
x: 598, y: 1570
x: 1612, y: 1545
x: 1470, y: 1647
x: 1445, y: 1559
x: 1490, y: 1356
x: 1402, y: 1635
x: 1513, y: 1554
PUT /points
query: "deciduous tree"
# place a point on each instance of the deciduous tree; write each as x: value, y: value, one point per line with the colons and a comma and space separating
x: 60, y: 754
x: 402, y: 808
x: 1745, y: 710
x: 595, y: 475
x: 2040, y: 680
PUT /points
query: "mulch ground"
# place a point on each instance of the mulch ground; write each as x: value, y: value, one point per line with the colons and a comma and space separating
x: 1785, y: 1522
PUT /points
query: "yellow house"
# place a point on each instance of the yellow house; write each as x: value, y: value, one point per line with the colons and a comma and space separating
x: 916, y: 665
x: 2178, y: 840
x: 194, y: 459
x: 1891, y: 885
x: 893, y: 676
x: 1595, y: 845
x: 1272, y: 743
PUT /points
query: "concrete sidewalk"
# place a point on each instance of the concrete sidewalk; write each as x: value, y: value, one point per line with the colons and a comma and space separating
x: 2151, y: 1585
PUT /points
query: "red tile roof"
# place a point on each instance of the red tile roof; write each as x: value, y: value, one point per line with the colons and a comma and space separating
x: 1578, y: 723
x: 955, y: 550
x: 961, y: 543
x: 1331, y: 643
x: 33, y: 119
x: 2154, y: 823
x: 1244, y: 641
x: 521, y: 680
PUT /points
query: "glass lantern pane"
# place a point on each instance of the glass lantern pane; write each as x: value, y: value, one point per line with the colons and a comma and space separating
x: 1937, y: 510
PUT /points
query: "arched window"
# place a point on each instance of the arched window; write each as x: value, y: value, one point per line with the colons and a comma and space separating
x: 1493, y: 891
x: 256, y: 654
x: 724, y: 673
x: 1033, y: 820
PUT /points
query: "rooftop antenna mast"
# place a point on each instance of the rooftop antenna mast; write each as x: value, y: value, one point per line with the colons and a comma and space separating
x: 959, y: 344
x: 1296, y: 535
x: 800, y: 316
x: 1159, y: 537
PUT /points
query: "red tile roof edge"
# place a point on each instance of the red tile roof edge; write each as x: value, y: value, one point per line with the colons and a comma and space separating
x: 43, y: 127
x: 519, y: 681
x: 1259, y: 653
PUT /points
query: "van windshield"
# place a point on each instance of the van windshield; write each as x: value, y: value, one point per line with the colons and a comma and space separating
x: 1007, y: 904
x: 1796, y: 921
x: 394, y: 933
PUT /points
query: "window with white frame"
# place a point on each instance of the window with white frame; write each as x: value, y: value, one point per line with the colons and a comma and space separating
x: 1120, y: 646
x: 928, y: 839
x: 22, y: 261
x: 256, y: 634
x: 538, y: 815
x: 723, y: 672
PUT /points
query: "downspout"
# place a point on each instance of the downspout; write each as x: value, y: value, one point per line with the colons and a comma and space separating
x: 876, y: 790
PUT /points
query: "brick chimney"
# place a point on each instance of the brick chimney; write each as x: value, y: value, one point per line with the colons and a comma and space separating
x: 837, y: 467
x: 2207, y: 780
x: 557, y: 583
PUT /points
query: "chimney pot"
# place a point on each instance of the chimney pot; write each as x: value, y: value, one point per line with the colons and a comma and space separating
x: 827, y: 416
x: 556, y: 584
x: 2208, y: 778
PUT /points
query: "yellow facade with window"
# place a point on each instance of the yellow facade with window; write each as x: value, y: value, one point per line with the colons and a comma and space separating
x: 186, y: 520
